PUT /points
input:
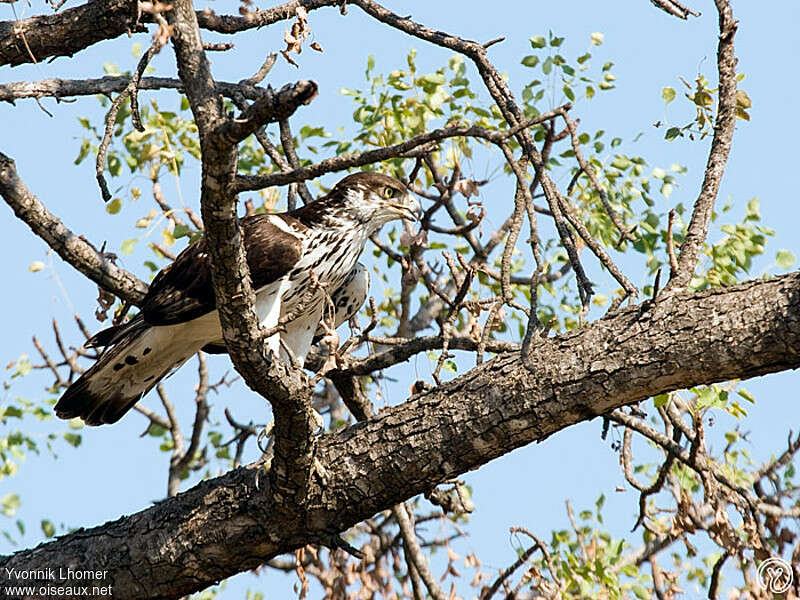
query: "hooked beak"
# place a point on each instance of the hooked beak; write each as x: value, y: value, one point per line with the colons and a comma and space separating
x: 411, y: 210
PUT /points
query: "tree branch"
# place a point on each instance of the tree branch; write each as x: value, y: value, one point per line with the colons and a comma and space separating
x: 72, y: 248
x: 674, y: 8
x: 63, y: 88
x: 231, y: 523
x: 340, y: 163
x: 73, y: 30
x: 718, y: 155
x: 67, y: 32
x: 273, y: 106
x: 287, y: 388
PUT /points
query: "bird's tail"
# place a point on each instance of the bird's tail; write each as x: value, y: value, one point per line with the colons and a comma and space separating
x: 139, y: 356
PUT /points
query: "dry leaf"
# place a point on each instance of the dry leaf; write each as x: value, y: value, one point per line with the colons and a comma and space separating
x: 467, y: 187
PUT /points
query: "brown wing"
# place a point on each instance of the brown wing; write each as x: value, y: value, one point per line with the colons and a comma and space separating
x: 183, y: 291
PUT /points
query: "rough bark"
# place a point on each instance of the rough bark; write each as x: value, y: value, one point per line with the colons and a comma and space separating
x: 65, y: 33
x: 232, y: 523
x: 72, y: 30
x: 286, y: 387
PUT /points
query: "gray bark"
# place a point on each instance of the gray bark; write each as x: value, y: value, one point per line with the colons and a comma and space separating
x: 233, y: 523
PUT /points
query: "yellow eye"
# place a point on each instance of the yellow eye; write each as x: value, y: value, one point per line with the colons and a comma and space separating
x: 389, y: 192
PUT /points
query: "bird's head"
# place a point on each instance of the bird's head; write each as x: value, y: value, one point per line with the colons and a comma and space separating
x: 373, y: 199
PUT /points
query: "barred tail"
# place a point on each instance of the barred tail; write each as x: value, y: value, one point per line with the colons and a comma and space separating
x: 141, y: 356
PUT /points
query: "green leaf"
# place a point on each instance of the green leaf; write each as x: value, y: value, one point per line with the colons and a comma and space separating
x: 434, y: 79
x: 746, y: 395
x: 48, y: 528
x: 596, y: 38
x: 73, y: 439
x: 114, y: 206
x: 10, y: 411
x: 84, y: 151
x: 784, y: 259
x: 9, y: 504
x: 128, y: 246
x: 114, y: 165
x: 672, y: 133
x: 530, y: 60
x: 668, y: 94
x: 661, y: 400
x: 156, y: 430
x: 538, y: 41
x: 569, y: 93
x: 370, y: 65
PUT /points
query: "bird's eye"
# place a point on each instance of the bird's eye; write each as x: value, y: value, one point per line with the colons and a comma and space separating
x: 389, y: 192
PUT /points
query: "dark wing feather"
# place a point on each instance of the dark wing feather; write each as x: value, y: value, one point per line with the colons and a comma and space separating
x: 183, y: 291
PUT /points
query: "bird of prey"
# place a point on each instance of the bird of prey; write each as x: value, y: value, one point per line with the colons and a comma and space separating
x: 315, y: 247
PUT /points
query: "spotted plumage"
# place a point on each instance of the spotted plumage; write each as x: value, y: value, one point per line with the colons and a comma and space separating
x: 314, y: 247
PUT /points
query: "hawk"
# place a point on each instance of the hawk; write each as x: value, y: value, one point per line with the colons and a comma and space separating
x: 314, y: 247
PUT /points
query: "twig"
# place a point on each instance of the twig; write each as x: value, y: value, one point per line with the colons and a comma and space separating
x: 715, y: 575
x: 625, y: 234
x: 414, y: 554
x: 217, y: 47
x: 724, y: 127
x: 262, y: 72
x: 49, y: 363
x: 131, y: 90
x: 287, y: 141
x: 340, y: 163
x: 673, y: 262
x: 675, y: 8
x: 64, y: 88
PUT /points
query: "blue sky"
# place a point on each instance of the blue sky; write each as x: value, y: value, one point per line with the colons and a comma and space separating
x: 116, y: 472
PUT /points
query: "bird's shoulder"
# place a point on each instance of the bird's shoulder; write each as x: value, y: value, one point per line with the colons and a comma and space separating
x: 183, y: 291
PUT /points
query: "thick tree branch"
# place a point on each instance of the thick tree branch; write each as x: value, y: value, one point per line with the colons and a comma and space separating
x: 230, y: 524
x: 272, y: 106
x: 718, y: 155
x: 287, y: 388
x: 63, y: 88
x: 72, y: 30
x: 67, y: 32
x: 72, y: 248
